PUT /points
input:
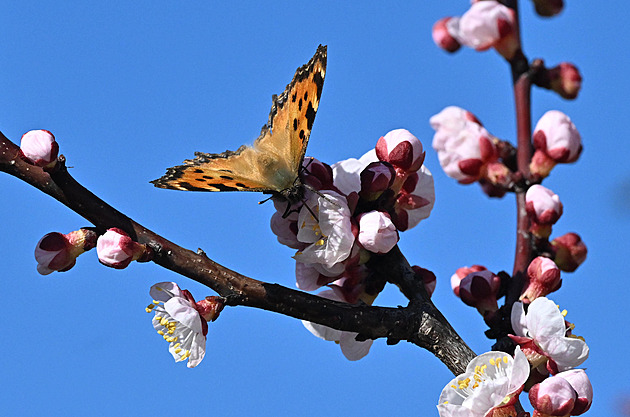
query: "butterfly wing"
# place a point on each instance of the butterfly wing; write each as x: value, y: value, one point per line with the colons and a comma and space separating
x: 273, y: 163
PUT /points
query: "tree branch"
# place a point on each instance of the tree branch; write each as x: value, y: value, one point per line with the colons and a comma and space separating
x: 419, y: 323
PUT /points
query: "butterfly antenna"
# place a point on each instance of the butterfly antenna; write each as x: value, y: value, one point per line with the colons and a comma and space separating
x: 324, y: 196
x: 265, y: 200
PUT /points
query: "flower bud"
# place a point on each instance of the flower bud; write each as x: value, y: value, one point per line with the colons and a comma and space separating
x: 479, y: 288
x: 548, y: 8
x: 401, y: 149
x: 210, y: 307
x: 557, y: 137
x: 39, y: 147
x: 554, y: 396
x: 452, y: 119
x: 317, y: 174
x: 414, y: 201
x: 496, y: 173
x: 544, y: 208
x: 543, y: 277
x: 376, y: 178
x: 58, y: 252
x: 377, y: 233
x: 116, y: 249
x: 427, y: 277
x: 565, y: 79
x: 443, y: 31
x: 570, y: 251
x: 464, y: 154
x: 582, y: 386
x: 489, y: 24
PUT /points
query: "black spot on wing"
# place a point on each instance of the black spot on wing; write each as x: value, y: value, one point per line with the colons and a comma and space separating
x: 208, y: 177
x: 295, y: 124
x: 223, y: 187
x: 294, y: 97
x: 188, y: 186
x: 305, y: 95
x: 240, y: 184
x: 300, y: 105
x: 198, y: 171
x: 225, y: 177
x: 302, y: 135
x: 319, y: 82
x: 310, y: 115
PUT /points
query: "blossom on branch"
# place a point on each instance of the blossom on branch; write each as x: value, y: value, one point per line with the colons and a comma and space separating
x: 477, y: 287
x: 38, y: 147
x: 58, y: 252
x: 545, y: 337
x: 565, y: 79
x: 492, y: 382
x: 556, y: 140
x: 570, y: 251
x: 182, y: 322
x: 552, y: 397
x: 444, y: 33
x: 544, y: 208
x: 543, y: 277
x: 116, y: 249
x: 377, y: 233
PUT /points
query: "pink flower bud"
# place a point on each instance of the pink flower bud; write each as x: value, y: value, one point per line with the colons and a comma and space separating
x: 566, y: 80
x: 543, y: 277
x: 479, y: 288
x: 582, y: 386
x: 116, y: 249
x: 443, y: 31
x: 317, y: 174
x: 58, y: 252
x: 427, y: 277
x: 557, y: 137
x: 570, y: 251
x: 401, y: 149
x: 489, y: 24
x: 464, y: 154
x: 377, y: 233
x: 39, y: 147
x: 543, y: 205
x: 554, y: 396
x: 496, y: 173
x: 210, y: 307
x: 548, y: 8
x: 452, y: 119
x: 376, y: 178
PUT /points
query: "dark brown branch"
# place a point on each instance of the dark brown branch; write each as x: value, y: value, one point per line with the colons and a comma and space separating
x: 419, y: 323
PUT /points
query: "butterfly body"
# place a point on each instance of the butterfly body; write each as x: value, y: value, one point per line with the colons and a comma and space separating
x: 274, y: 162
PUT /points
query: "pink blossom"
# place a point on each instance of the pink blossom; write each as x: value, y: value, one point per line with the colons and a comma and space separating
x: 489, y: 24
x: 452, y: 119
x: 415, y: 200
x: 543, y: 205
x: 116, y: 249
x: 377, y: 233
x: 554, y: 396
x: 375, y: 179
x: 557, y: 137
x: 545, y: 338
x: 427, y: 277
x: 543, y: 277
x: 570, y: 251
x: 39, y: 147
x: 444, y: 33
x: 58, y: 252
x: 401, y: 149
x: 178, y: 320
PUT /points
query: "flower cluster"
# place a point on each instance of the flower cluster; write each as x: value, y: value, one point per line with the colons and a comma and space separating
x: 354, y: 210
x: 181, y: 321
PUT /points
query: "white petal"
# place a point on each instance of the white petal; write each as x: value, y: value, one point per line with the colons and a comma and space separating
x: 544, y: 319
x: 181, y: 310
x: 519, y: 320
x: 351, y: 348
x: 163, y: 291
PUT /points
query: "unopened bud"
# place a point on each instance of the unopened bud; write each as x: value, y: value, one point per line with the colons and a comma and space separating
x: 556, y: 136
x: 443, y: 34
x: 478, y: 289
x: 544, y: 208
x: 553, y: 397
x: 565, y: 79
x: 489, y: 24
x: 58, y: 252
x: 116, y: 249
x: 427, y: 277
x: 401, y: 149
x: 582, y: 386
x: 570, y: 251
x: 39, y: 147
x: 543, y: 277
x: 376, y: 178
x: 377, y: 233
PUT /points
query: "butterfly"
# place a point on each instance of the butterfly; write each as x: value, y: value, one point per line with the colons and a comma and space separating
x: 273, y: 164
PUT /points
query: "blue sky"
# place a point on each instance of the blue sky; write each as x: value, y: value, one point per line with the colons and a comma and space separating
x: 130, y: 88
